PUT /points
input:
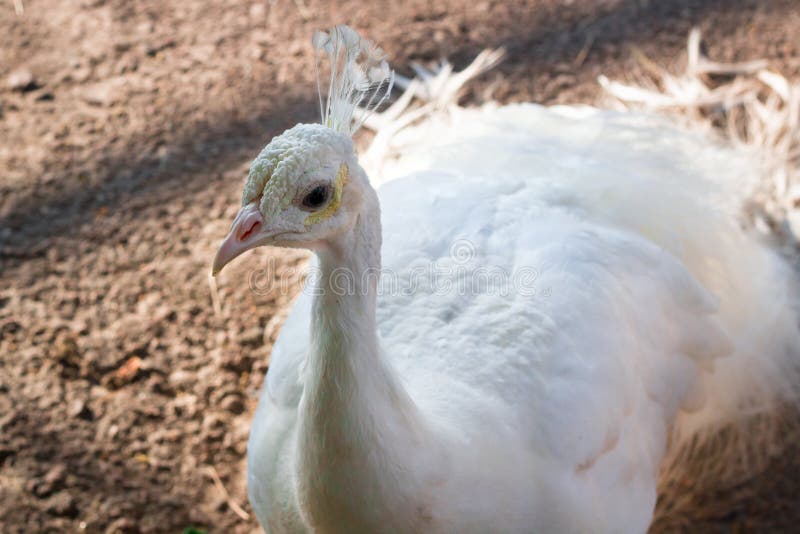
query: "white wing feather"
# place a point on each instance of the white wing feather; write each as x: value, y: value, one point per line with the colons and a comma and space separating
x: 648, y: 304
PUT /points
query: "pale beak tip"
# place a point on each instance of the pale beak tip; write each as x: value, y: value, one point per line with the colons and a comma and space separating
x: 242, y: 237
x: 217, y: 266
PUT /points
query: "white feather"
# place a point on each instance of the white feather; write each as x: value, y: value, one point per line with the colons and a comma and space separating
x: 640, y: 316
x: 359, y: 76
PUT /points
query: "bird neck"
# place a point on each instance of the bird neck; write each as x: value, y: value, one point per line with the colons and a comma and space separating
x: 355, y: 420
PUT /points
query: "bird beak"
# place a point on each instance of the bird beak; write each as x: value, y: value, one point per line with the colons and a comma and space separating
x: 247, y: 233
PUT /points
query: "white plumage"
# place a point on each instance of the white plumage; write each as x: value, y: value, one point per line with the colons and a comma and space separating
x: 564, y: 292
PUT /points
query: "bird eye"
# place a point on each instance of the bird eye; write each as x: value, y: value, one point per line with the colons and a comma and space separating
x: 317, y: 197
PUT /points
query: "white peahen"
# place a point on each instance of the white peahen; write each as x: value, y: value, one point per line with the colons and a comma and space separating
x: 516, y: 334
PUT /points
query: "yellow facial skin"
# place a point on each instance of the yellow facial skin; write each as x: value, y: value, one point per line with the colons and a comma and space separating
x: 338, y: 186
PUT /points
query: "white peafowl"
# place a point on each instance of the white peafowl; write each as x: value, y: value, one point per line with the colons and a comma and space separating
x: 519, y: 333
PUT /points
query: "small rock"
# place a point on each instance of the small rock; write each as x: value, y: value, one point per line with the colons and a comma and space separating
x: 181, y: 379
x: 257, y: 53
x: 213, y: 427
x: 124, y: 525
x: 232, y: 404
x: 258, y: 11
x: 169, y: 435
x: 21, y: 80
x: 53, y: 480
x: 127, y: 371
x: 78, y: 409
x: 56, y: 474
x: 185, y: 405
x: 252, y: 337
x: 297, y: 48
x: 81, y: 74
x: 61, y: 504
x: 102, y: 94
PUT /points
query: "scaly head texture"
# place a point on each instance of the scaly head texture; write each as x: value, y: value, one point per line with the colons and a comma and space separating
x: 301, y: 150
x: 359, y: 77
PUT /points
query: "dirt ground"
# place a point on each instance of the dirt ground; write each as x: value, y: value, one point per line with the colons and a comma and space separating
x: 126, y: 130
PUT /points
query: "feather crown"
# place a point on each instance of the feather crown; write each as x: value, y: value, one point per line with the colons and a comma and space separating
x: 360, y: 77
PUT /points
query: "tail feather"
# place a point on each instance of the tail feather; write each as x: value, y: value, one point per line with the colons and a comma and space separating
x: 751, y: 413
x: 695, y: 203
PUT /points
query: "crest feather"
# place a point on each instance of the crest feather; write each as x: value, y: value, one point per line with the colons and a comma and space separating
x: 359, y: 76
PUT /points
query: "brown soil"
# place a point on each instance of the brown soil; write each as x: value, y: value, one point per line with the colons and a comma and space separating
x: 126, y: 130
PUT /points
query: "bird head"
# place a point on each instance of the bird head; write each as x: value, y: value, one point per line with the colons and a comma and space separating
x: 306, y: 187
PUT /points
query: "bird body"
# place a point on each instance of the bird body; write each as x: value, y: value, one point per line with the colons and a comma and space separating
x: 548, y: 341
x: 510, y: 334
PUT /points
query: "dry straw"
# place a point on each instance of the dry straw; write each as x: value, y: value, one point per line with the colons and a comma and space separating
x: 753, y: 106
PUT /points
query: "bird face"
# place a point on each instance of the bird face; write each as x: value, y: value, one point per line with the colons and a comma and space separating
x: 301, y: 192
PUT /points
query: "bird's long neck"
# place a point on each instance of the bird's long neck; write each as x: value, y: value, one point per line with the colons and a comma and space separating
x: 356, y: 422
